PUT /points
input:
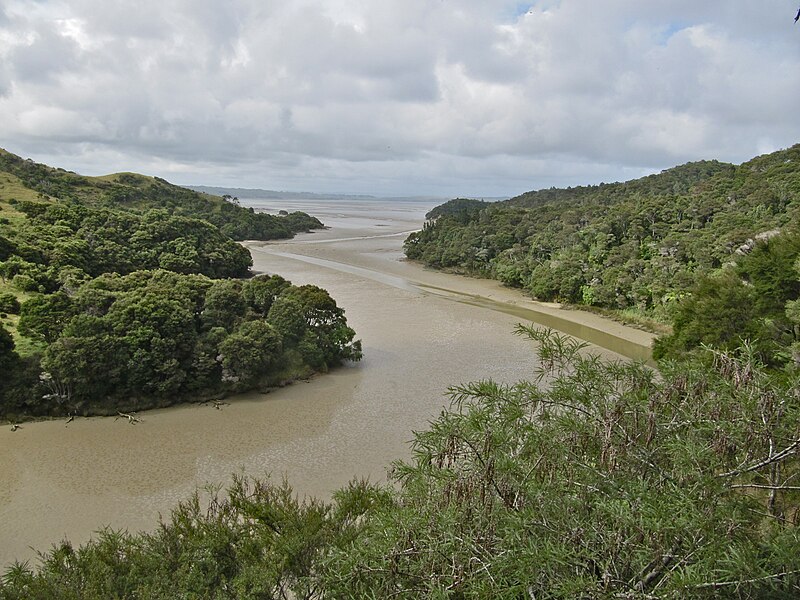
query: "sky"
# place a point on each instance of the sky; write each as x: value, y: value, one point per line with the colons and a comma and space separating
x: 471, y: 98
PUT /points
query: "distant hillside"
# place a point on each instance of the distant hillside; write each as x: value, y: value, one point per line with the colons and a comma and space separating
x: 25, y: 179
x: 257, y: 193
x: 637, y: 244
x: 115, y: 295
x: 260, y: 194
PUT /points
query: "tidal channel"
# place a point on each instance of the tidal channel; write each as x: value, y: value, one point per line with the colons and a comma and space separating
x: 422, y: 332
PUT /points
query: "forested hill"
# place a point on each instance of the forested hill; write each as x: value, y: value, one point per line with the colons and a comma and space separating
x: 564, y: 486
x: 636, y: 244
x: 26, y: 179
x: 670, y: 182
x: 115, y: 295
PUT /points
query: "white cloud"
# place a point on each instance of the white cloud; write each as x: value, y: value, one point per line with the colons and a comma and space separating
x: 57, y: 123
x: 475, y: 97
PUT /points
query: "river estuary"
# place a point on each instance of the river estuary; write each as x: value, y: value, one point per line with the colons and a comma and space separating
x: 422, y: 331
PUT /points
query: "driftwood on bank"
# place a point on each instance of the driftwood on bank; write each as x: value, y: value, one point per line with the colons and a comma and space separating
x: 218, y: 404
x: 132, y: 418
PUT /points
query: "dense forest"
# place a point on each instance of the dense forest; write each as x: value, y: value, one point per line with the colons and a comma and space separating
x: 594, y: 479
x: 637, y: 245
x: 707, y: 248
x: 126, y: 292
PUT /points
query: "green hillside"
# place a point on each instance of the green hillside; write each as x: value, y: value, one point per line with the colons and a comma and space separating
x: 639, y: 244
x: 27, y: 180
x: 115, y: 293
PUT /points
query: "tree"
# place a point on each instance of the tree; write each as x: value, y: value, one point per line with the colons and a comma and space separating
x: 9, y: 303
x: 181, y: 256
x: 87, y: 363
x: 7, y: 354
x: 224, y: 304
x: 43, y: 317
x: 7, y: 248
x: 720, y: 312
x: 327, y: 333
x: 745, y: 302
x: 262, y: 290
x: 249, y: 352
x: 605, y: 482
x: 769, y: 269
x: 286, y: 316
x: 8, y: 362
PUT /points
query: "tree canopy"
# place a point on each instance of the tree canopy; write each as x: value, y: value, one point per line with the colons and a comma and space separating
x: 122, y: 286
x: 593, y: 480
x: 639, y: 244
x: 153, y: 338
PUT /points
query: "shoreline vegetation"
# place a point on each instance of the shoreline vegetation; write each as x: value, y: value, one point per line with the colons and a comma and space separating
x: 593, y: 478
x: 605, y: 481
x: 706, y: 249
x: 124, y: 293
x: 630, y: 317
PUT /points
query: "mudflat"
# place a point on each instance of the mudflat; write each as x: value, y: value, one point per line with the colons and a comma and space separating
x: 422, y: 331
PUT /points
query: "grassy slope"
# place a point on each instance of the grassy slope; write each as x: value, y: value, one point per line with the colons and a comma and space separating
x: 12, y: 188
x: 25, y: 180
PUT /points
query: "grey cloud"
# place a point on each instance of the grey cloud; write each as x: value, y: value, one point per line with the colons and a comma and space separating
x: 48, y: 55
x: 414, y: 93
x: 328, y: 62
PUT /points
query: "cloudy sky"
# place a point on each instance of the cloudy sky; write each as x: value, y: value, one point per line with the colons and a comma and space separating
x: 436, y: 97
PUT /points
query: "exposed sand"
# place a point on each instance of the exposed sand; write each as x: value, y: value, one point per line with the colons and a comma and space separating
x: 61, y: 480
x: 375, y: 247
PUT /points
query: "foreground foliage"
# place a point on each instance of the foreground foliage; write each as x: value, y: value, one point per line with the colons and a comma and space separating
x: 606, y: 482
x: 593, y: 480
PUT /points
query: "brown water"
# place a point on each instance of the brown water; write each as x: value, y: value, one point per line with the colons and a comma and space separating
x: 422, y: 331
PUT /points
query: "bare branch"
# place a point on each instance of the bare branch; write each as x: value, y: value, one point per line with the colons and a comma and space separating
x: 767, y: 461
x: 766, y: 487
x: 721, y: 584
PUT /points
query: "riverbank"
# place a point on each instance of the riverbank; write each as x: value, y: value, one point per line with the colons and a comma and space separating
x: 69, y: 480
x: 370, y: 235
x: 379, y: 257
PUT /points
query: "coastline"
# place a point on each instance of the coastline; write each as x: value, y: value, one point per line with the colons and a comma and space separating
x: 371, y: 256
x: 71, y: 480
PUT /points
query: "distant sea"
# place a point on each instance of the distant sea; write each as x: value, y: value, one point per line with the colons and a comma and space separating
x: 329, y: 208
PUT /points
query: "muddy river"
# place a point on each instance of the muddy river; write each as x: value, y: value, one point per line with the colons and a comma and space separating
x: 422, y: 331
